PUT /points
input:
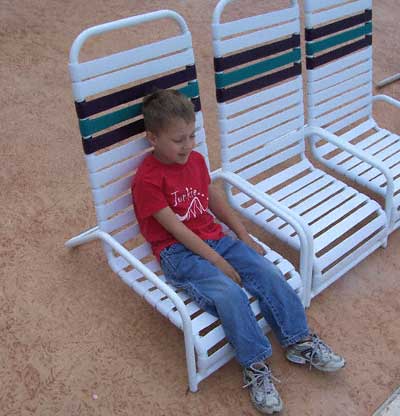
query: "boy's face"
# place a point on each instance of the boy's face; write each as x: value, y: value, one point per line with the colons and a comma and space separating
x: 174, y: 143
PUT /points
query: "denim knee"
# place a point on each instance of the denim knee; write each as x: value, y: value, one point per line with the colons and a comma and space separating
x: 231, y: 295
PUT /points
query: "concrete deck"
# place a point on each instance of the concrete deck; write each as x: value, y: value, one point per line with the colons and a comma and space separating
x: 69, y: 328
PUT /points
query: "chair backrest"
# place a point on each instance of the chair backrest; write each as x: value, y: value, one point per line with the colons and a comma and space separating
x: 339, y: 62
x: 259, y: 89
x: 108, y: 92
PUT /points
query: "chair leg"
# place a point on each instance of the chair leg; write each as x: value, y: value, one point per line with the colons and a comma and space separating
x: 391, y: 227
x: 190, y: 360
x: 85, y: 237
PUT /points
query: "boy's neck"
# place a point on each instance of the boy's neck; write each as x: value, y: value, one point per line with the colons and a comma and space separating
x: 166, y: 163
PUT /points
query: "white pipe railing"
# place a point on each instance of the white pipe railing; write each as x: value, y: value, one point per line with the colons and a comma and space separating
x: 119, y: 24
x: 386, y: 99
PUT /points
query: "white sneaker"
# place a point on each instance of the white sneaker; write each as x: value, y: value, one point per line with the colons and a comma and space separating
x: 315, y: 352
x: 263, y: 393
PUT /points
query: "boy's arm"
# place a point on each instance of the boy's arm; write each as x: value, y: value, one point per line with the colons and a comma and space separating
x: 223, y: 211
x: 193, y: 242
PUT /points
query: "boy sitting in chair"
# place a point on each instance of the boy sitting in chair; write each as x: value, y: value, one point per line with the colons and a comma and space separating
x: 172, y: 199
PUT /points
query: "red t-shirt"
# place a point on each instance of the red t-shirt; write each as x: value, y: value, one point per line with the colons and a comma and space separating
x: 184, y: 188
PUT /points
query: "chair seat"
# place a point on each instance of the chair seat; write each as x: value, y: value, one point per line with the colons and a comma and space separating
x: 211, y: 346
x: 340, y: 96
x: 376, y: 142
x: 340, y: 218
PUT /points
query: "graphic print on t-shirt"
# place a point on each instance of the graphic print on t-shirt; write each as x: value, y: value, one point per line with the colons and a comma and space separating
x: 194, y: 207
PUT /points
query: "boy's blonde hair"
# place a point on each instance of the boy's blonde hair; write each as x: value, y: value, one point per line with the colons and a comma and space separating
x: 162, y: 106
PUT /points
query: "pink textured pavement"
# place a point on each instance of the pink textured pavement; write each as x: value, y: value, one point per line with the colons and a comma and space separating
x: 69, y: 328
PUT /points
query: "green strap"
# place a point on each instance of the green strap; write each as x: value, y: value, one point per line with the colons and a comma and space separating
x: 315, y: 47
x: 90, y: 126
x: 224, y: 79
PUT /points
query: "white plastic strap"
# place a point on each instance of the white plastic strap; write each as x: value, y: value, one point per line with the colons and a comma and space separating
x: 101, y: 83
x: 81, y: 71
x: 337, y: 12
x: 253, y: 39
x: 222, y: 30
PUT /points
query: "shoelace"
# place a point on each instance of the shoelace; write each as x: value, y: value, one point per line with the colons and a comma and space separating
x: 318, y: 348
x: 263, y: 378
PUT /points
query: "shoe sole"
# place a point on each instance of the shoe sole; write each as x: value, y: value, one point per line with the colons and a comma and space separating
x: 303, y: 361
x: 268, y: 411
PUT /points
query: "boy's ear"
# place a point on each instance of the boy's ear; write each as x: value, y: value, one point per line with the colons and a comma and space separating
x: 151, y: 137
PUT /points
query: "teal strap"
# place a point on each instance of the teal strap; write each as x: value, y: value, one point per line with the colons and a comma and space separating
x: 315, y: 47
x: 90, y: 126
x: 224, y: 79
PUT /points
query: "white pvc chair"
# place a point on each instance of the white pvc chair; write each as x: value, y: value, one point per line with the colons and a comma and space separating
x: 108, y: 92
x: 262, y: 133
x: 339, y: 87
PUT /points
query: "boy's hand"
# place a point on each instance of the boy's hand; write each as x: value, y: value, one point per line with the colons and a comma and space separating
x: 227, y: 269
x: 254, y: 245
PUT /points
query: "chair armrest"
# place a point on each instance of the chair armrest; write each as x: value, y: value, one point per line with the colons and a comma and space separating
x: 280, y: 210
x: 362, y: 155
x: 386, y: 99
x: 97, y: 234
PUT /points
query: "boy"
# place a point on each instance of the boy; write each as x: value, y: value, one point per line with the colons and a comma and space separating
x: 172, y: 195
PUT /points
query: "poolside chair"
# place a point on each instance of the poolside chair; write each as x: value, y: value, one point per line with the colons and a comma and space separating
x: 262, y: 133
x: 339, y: 87
x: 108, y: 92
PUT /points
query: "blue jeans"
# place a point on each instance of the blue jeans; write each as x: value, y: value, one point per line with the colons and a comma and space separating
x: 219, y: 295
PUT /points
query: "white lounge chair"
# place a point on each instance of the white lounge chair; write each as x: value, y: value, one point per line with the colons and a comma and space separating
x: 108, y: 92
x: 339, y: 88
x: 262, y: 133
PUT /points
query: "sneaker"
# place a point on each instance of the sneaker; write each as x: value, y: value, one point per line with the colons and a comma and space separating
x: 315, y: 352
x: 263, y: 393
